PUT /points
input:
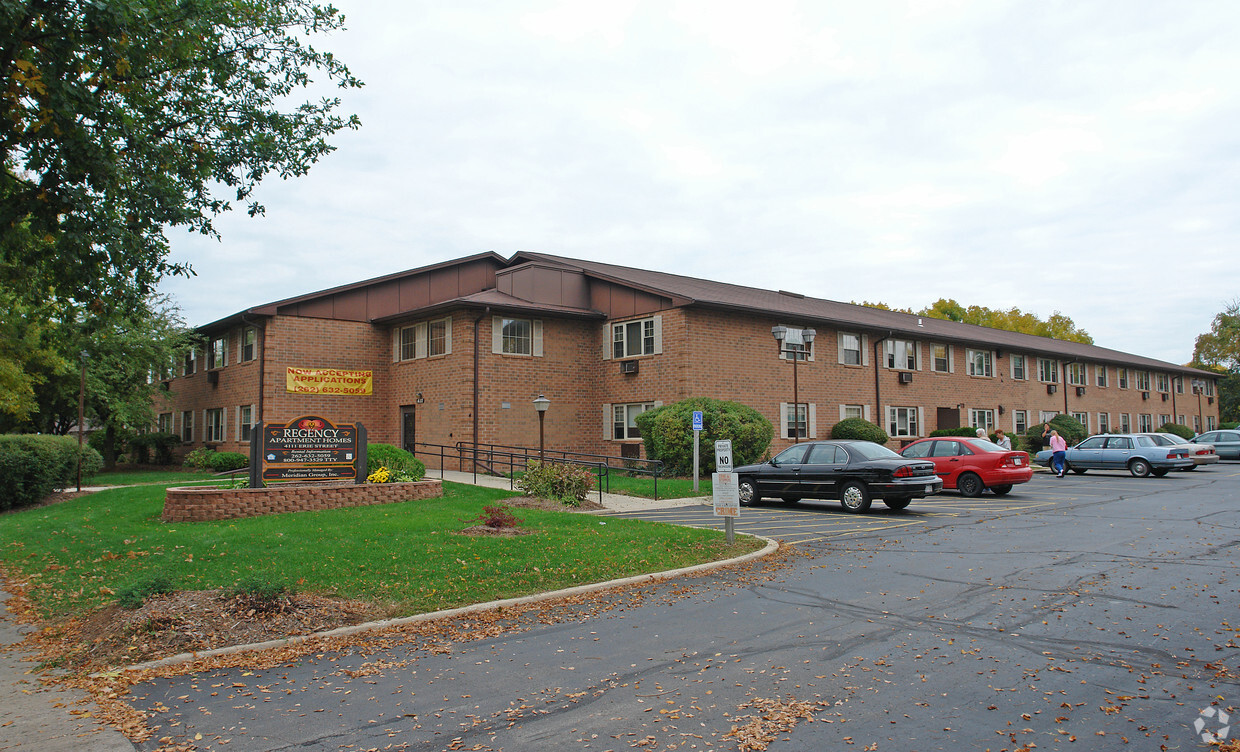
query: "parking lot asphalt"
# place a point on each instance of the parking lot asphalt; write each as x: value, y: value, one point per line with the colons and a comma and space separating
x: 1092, y: 612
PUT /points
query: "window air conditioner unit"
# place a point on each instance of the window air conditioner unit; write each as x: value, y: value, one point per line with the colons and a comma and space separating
x: 213, y: 377
x: 1145, y: 395
x: 1051, y: 388
x: 628, y: 366
x: 906, y: 377
x: 1080, y: 391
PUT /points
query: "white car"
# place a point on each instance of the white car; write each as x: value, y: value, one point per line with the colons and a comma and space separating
x: 1199, y: 453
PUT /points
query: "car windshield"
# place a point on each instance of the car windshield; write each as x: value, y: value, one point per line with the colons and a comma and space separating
x: 871, y: 451
x: 1173, y: 439
x: 985, y: 445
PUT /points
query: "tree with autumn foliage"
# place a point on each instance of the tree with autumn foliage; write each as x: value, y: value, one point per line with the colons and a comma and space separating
x: 1219, y: 350
x: 1058, y: 326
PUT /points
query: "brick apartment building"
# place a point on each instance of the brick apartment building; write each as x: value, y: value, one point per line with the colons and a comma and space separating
x: 458, y: 351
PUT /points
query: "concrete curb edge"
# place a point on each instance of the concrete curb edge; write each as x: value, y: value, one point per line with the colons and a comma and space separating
x: 770, y: 547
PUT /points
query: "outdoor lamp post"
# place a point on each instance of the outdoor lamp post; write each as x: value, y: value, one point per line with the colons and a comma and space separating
x: 81, y: 419
x: 541, y: 404
x: 785, y: 337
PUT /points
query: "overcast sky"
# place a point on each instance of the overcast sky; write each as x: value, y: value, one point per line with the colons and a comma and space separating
x: 1078, y: 156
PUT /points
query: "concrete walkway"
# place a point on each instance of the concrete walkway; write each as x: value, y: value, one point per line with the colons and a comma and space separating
x: 34, y: 716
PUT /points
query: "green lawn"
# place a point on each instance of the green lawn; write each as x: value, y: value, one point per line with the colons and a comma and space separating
x: 406, y: 556
x: 669, y: 488
x: 136, y: 477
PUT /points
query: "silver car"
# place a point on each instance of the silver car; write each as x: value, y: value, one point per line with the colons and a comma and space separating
x: 1226, y: 443
x: 1200, y: 453
x: 1136, y: 453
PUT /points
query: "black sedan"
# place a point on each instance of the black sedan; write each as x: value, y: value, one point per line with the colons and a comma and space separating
x: 855, y: 472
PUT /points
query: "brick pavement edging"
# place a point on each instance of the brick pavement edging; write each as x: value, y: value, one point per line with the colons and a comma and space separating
x: 196, y: 504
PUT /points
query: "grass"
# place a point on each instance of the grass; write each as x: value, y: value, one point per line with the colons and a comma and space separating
x: 137, y: 477
x: 78, y: 554
x: 669, y: 488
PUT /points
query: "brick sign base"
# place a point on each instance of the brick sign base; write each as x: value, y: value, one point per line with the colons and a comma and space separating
x: 190, y: 504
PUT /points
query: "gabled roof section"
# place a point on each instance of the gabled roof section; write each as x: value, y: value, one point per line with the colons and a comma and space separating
x: 498, y: 302
x: 847, y: 316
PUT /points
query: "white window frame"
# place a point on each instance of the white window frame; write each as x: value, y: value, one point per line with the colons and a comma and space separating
x: 1020, y: 368
x: 1104, y: 422
x: 948, y: 365
x: 187, y: 426
x: 166, y: 422
x: 502, y: 344
x: 1078, y: 374
x: 1145, y: 422
x: 218, y: 352
x: 245, y: 422
x: 1043, y: 365
x: 1082, y: 418
x: 622, y: 416
x: 1209, y: 422
x: 649, y: 340
x: 1125, y: 422
x: 1046, y: 416
x: 862, y: 349
x: 1100, y: 376
x: 1179, y: 386
x: 436, y: 345
x: 1163, y: 382
x: 808, y: 409
x: 409, y: 342
x: 249, y: 339
x: 1143, y: 381
x: 1123, y: 376
x: 1020, y: 422
x: 981, y: 363
x: 213, y: 431
x: 901, y: 355
x: 190, y: 365
x: 910, y: 417
x: 1163, y: 420
x: 981, y: 417
x: 854, y: 411
x: 1196, y: 424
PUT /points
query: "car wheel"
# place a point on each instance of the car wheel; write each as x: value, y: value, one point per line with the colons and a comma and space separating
x: 1194, y: 467
x: 1001, y: 490
x: 1079, y: 470
x: 748, y: 492
x: 897, y: 504
x: 970, y: 485
x: 1160, y: 472
x: 1139, y: 468
x: 855, y: 497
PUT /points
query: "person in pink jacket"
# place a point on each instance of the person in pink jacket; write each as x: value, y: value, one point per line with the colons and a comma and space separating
x: 1059, y: 449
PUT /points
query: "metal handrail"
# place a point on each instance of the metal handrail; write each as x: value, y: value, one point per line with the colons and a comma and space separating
x: 643, y: 467
x: 498, y: 456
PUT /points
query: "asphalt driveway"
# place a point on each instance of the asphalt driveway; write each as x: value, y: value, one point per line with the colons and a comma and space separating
x: 1093, y: 612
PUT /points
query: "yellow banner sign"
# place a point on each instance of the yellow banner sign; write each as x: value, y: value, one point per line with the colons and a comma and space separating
x: 329, y: 381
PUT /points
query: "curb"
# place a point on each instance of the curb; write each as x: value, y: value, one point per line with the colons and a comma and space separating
x: 770, y: 547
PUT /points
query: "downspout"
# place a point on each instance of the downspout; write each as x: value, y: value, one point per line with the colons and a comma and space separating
x: 1064, y: 382
x: 477, y: 367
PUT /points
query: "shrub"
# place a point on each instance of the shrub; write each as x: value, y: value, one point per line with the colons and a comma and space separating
x: 1184, y: 432
x: 566, y: 483
x: 969, y: 431
x: 199, y: 459
x: 860, y: 429
x: 157, y: 446
x: 31, y: 467
x: 496, y: 516
x: 261, y: 595
x: 135, y: 594
x: 667, y: 433
x: 395, y: 459
x: 1068, y: 427
x: 222, y: 462
x: 1229, y: 426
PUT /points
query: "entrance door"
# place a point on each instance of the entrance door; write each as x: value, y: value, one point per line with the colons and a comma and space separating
x: 409, y: 428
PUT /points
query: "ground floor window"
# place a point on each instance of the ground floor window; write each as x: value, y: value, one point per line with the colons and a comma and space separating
x: 1145, y: 423
x: 1020, y: 421
x: 1164, y: 420
x: 1125, y: 423
x: 245, y: 418
x: 1180, y: 419
x: 187, y: 426
x: 1210, y: 423
x: 796, y: 420
x: 1197, y: 423
x: 852, y: 411
x: 982, y: 419
x: 165, y: 422
x: 1082, y: 418
x: 624, y: 425
x: 214, y: 425
x: 902, y: 421
x: 1104, y: 422
x: 1045, y: 416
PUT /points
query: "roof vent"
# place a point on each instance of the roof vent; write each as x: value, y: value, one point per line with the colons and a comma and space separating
x: 919, y: 322
x: 791, y: 294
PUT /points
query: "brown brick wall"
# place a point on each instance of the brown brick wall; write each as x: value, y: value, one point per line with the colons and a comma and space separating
x: 200, y: 504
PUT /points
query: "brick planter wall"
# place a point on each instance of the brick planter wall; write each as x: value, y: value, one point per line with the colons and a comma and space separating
x: 191, y: 504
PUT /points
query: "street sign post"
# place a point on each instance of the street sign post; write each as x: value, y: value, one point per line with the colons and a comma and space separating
x: 726, y: 493
x: 697, y: 436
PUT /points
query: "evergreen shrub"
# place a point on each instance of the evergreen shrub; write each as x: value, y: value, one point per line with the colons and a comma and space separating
x: 394, y: 459
x: 1068, y: 427
x: 566, y: 483
x: 859, y: 429
x: 31, y: 467
x: 667, y: 433
x: 1184, y: 432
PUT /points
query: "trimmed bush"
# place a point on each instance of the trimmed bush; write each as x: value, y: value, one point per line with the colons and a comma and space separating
x: 395, y: 459
x: 222, y: 462
x: 969, y: 431
x: 31, y: 467
x: 859, y: 429
x: 667, y: 433
x: 568, y: 484
x: 1184, y: 432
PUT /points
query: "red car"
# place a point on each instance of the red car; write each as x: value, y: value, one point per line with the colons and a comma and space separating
x: 972, y: 465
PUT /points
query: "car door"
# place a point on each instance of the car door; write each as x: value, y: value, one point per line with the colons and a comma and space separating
x: 821, y: 471
x: 948, y: 457
x: 1087, y: 454
x: 782, y: 475
x: 1227, y: 445
x: 1117, y: 452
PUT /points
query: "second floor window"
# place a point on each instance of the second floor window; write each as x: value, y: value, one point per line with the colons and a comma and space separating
x: 1100, y: 373
x: 249, y: 344
x: 1164, y: 383
x: 850, y: 349
x: 1121, y: 375
x: 1018, y: 368
x: 632, y: 338
x: 408, y: 343
x: 901, y: 354
x: 1076, y: 374
x: 979, y: 364
x: 1048, y: 370
x: 940, y: 358
x: 191, y: 362
x: 1143, y: 381
x: 219, y: 353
